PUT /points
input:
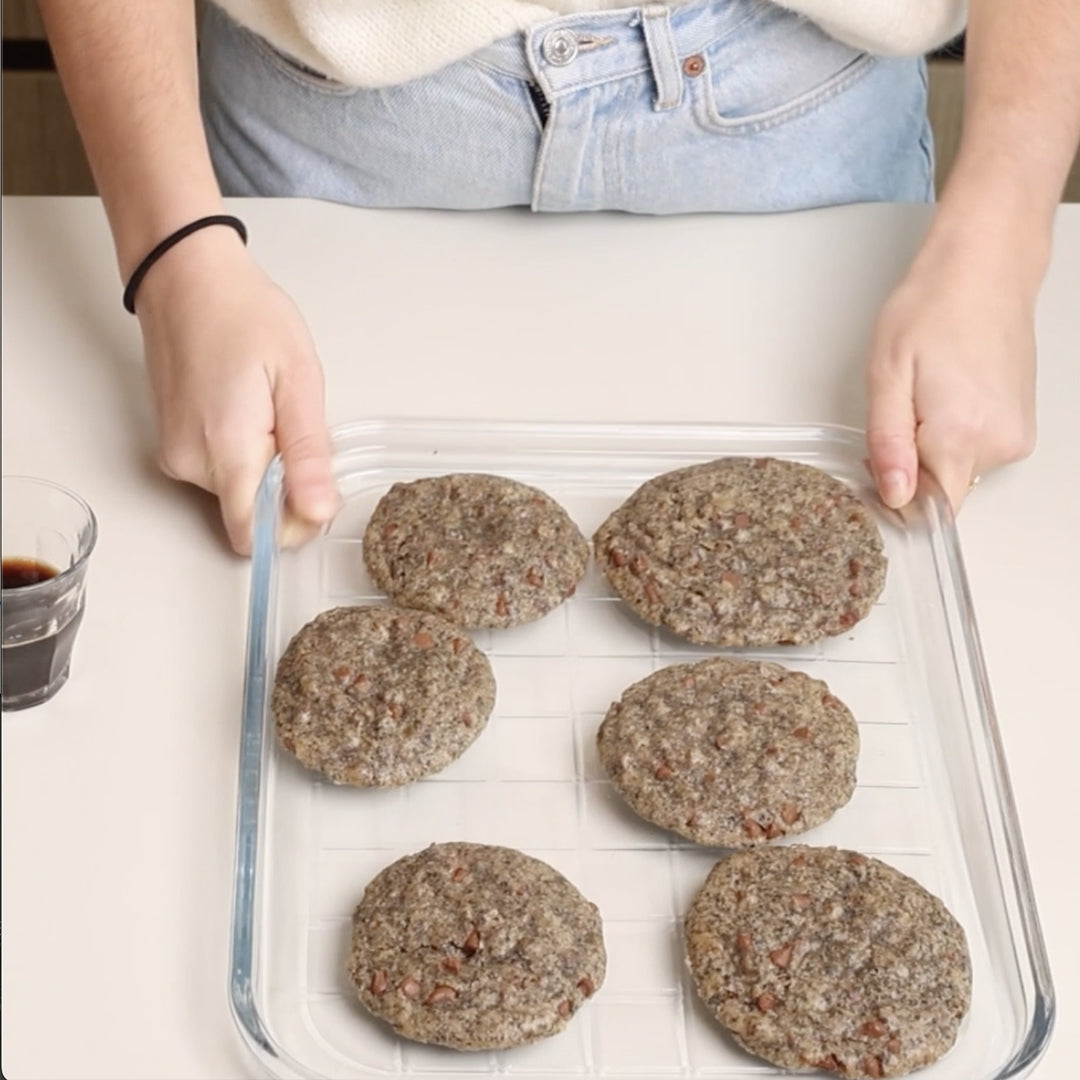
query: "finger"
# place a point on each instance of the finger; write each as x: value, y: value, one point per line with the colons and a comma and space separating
x: 890, y: 434
x: 949, y: 459
x: 295, y: 531
x: 304, y: 444
x: 235, y: 481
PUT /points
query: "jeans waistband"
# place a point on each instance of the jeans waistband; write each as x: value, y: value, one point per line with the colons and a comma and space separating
x: 571, y: 52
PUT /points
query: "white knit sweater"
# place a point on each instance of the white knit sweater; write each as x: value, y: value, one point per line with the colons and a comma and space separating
x: 382, y: 42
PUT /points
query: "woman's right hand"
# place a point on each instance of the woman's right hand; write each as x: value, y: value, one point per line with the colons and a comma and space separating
x: 234, y: 372
x: 235, y: 379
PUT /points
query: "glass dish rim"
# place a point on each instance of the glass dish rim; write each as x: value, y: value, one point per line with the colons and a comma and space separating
x: 242, y: 1003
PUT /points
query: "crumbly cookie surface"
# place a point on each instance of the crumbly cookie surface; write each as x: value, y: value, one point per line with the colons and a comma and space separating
x: 475, y: 947
x: 482, y: 550
x: 380, y: 696
x: 828, y: 959
x: 731, y: 752
x: 745, y: 551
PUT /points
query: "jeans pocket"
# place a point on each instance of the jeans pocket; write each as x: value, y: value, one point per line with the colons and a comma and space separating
x: 778, y: 67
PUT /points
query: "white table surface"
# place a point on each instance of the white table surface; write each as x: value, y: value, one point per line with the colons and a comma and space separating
x: 118, y: 796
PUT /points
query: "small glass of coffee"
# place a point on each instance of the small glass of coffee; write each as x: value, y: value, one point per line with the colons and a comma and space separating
x: 48, y: 535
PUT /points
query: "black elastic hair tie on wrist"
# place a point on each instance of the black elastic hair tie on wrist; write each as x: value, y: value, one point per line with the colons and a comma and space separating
x: 172, y: 239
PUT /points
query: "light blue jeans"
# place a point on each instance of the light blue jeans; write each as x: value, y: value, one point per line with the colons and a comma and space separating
x: 714, y: 105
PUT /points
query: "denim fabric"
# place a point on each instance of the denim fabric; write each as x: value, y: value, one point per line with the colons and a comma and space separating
x: 716, y: 105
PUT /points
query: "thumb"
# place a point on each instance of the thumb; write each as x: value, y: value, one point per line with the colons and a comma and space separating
x: 949, y: 458
x: 304, y: 443
x: 890, y: 433
x: 235, y: 482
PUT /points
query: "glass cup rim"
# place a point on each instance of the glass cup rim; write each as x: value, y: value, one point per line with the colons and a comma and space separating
x: 67, y: 572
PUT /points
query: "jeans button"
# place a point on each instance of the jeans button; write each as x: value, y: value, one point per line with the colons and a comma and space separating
x: 560, y: 47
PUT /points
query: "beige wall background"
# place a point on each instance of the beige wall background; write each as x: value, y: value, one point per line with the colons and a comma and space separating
x: 42, y: 154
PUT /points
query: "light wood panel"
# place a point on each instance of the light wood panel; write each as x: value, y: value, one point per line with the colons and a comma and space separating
x: 42, y: 154
x: 945, y: 108
x: 20, y: 19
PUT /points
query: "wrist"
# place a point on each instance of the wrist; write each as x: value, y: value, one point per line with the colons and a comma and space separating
x: 990, y: 218
x: 139, y: 228
x: 998, y: 193
x: 200, y: 257
x: 178, y: 236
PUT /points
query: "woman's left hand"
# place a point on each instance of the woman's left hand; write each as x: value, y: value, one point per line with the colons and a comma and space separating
x: 951, y: 373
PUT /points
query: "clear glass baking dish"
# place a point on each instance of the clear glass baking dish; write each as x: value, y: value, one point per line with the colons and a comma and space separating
x: 933, y: 795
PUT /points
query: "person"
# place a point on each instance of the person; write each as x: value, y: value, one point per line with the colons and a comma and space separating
x: 719, y: 105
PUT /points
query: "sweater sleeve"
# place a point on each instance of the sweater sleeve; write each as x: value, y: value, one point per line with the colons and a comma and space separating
x: 375, y: 43
x: 886, y: 27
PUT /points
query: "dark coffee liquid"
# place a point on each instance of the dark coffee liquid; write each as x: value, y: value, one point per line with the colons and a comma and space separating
x: 33, y: 665
x: 18, y: 573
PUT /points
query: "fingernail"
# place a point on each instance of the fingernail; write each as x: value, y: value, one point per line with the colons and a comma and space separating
x: 327, y: 505
x: 320, y: 505
x: 894, y: 488
x: 295, y: 531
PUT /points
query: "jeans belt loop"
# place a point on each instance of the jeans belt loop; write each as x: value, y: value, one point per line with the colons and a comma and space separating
x: 663, y: 56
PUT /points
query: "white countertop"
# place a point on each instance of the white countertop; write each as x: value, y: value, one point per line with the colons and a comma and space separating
x: 119, y: 795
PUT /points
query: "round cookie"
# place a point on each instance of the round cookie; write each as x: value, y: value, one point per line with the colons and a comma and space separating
x: 828, y: 959
x: 485, y: 551
x: 731, y: 752
x: 745, y: 551
x: 380, y: 696
x: 475, y: 947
